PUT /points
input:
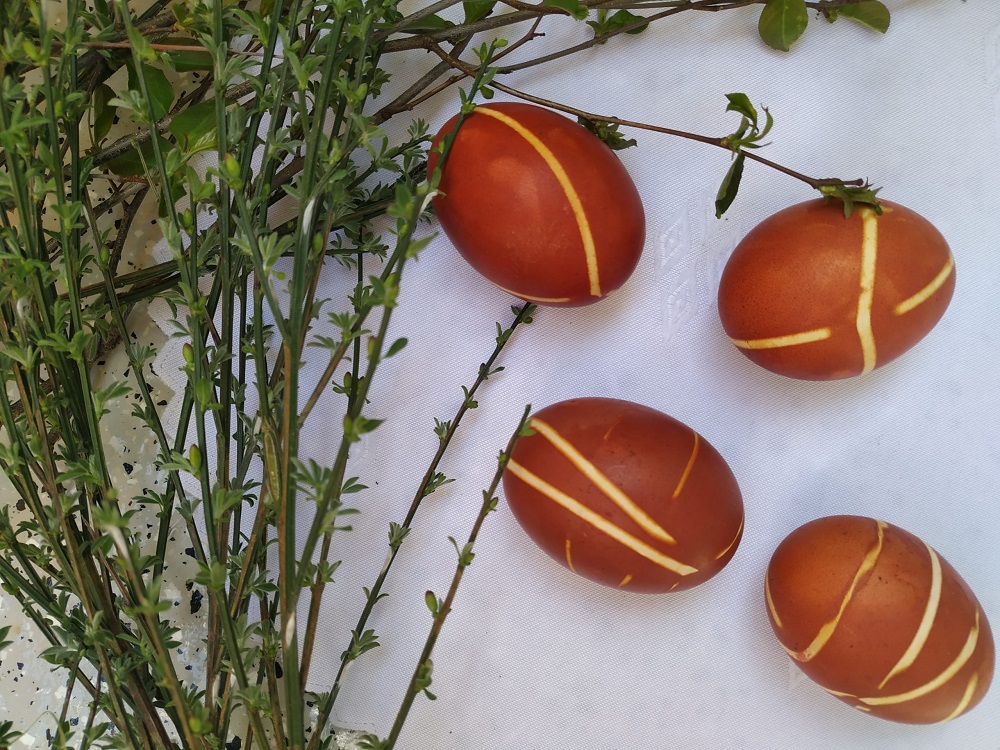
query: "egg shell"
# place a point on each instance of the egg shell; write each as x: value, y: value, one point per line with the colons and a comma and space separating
x: 811, y: 294
x: 625, y: 495
x: 539, y: 205
x: 878, y: 619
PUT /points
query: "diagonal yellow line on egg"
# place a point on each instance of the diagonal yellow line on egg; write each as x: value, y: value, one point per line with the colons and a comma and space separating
x: 925, y: 294
x: 931, y: 685
x: 729, y: 546
x: 605, y: 485
x: 772, y: 609
x: 589, y: 250
x: 963, y: 703
x: 687, y: 469
x: 826, y: 631
x: 791, y: 339
x: 533, y: 298
x: 869, y: 257
x: 926, y: 621
x: 598, y: 521
x: 569, y: 557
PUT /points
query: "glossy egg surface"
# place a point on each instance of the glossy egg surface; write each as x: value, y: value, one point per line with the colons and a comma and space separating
x: 625, y: 495
x: 811, y: 294
x: 539, y: 205
x: 878, y: 619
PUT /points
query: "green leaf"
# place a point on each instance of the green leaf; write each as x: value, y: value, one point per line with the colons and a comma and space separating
x: 782, y: 22
x: 851, y: 194
x: 607, y: 23
x: 730, y: 186
x: 104, y: 113
x: 573, y: 7
x: 193, y: 124
x: 607, y: 132
x: 185, y: 61
x: 430, y: 23
x: 397, y: 346
x: 741, y: 103
x: 476, y: 10
x: 872, y: 14
x: 161, y: 93
x: 135, y: 162
x: 432, y: 602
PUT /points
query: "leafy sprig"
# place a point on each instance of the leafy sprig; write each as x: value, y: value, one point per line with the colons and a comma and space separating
x: 782, y: 22
x: 281, y: 110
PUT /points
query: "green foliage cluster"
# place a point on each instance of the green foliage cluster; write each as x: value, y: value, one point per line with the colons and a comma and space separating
x: 286, y: 107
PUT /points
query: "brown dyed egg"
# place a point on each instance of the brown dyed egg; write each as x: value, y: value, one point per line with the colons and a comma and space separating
x: 879, y: 620
x: 625, y: 495
x: 813, y: 295
x: 539, y: 205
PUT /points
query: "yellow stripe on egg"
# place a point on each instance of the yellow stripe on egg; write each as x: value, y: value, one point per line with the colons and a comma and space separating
x: 780, y: 342
x: 869, y: 256
x: 966, y: 699
x: 687, y: 469
x: 771, y: 608
x: 589, y: 249
x: 931, y: 685
x: 569, y: 557
x: 729, y: 546
x: 605, y: 485
x: 827, y: 630
x: 532, y: 298
x: 928, y: 291
x: 926, y: 621
x: 598, y: 521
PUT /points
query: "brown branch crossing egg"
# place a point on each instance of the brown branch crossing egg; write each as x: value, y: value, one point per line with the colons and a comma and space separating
x: 624, y: 495
x: 539, y: 205
x: 878, y: 619
x: 813, y: 295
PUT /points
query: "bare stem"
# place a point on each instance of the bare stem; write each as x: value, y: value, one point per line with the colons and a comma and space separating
x: 422, y: 674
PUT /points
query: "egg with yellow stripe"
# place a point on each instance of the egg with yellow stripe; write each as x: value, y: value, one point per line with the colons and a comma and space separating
x: 812, y: 294
x: 625, y: 495
x: 538, y: 204
x: 879, y: 619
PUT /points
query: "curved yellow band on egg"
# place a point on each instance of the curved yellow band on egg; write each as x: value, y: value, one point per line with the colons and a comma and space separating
x: 532, y: 298
x: 772, y: 609
x: 926, y: 621
x: 826, y: 631
x: 687, y: 469
x: 966, y: 699
x: 598, y: 521
x: 925, y: 294
x: 950, y: 671
x: 779, y: 342
x: 576, y: 205
x: 605, y: 485
x: 730, y: 545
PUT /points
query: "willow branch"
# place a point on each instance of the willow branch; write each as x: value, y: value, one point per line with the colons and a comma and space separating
x: 723, y: 142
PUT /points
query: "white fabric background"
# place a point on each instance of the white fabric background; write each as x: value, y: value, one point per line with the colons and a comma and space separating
x: 535, y: 657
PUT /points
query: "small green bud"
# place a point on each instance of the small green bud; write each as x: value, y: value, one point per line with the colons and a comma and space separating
x: 231, y: 171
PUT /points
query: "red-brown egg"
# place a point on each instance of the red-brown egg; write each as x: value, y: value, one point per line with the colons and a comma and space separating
x: 539, y: 205
x: 878, y: 619
x: 811, y: 294
x: 624, y: 495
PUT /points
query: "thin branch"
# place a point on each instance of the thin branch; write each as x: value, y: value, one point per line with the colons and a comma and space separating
x: 722, y: 142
